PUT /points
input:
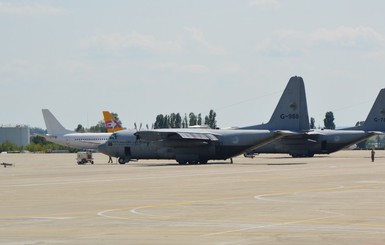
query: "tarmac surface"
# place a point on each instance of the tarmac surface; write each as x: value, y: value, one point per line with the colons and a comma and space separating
x: 271, y: 199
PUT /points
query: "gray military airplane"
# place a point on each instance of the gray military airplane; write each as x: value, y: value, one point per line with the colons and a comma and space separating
x: 186, y: 145
x: 198, y: 145
x: 325, y: 141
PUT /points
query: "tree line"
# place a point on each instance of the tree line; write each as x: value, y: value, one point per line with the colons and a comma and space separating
x: 328, y: 121
x: 174, y: 120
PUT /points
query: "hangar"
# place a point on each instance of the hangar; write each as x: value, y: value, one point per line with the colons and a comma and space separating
x: 16, y: 134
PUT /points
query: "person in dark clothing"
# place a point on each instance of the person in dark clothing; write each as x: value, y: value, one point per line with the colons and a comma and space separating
x: 372, y: 153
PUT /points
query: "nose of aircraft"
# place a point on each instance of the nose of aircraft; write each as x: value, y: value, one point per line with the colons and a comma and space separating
x: 103, y: 148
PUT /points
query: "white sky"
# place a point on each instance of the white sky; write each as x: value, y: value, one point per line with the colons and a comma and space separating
x: 143, y: 58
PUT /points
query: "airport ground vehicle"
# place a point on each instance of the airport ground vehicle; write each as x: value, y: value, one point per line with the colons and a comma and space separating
x: 84, y: 156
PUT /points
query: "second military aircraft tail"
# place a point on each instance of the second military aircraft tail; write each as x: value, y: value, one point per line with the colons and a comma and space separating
x: 375, y: 121
x: 291, y: 111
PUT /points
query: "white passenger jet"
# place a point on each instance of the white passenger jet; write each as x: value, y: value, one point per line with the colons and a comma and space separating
x: 56, y: 133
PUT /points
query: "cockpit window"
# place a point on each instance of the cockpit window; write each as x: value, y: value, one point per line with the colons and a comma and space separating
x: 113, y: 136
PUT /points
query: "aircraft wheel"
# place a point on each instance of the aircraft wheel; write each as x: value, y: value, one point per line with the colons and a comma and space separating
x: 121, y: 160
x: 182, y: 162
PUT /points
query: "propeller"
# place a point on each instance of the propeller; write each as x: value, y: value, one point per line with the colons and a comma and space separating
x: 136, y: 128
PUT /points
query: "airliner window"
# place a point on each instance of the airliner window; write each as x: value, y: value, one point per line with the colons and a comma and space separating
x: 113, y: 137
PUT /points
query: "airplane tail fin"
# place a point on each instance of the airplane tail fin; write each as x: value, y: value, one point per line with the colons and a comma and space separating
x: 291, y: 111
x: 376, y: 117
x: 54, y: 127
x: 110, y: 122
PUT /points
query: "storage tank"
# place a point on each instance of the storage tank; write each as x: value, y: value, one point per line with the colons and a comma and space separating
x: 16, y: 134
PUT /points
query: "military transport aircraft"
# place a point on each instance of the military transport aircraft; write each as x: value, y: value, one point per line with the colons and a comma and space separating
x: 186, y: 145
x: 56, y: 133
x: 324, y: 141
x: 198, y: 145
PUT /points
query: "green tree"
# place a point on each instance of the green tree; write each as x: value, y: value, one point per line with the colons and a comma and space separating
x: 329, y: 120
x: 178, y: 121
x: 34, y: 130
x: 159, y: 121
x: 174, y: 120
x: 192, y: 119
x: 199, y: 119
x: 9, y: 146
x: 80, y: 129
x: 185, y: 121
x: 312, y: 123
x: 98, y: 128
x: 38, y: 140
x: 210, y: 119
x: 40, y: 144
x: 166, y: 121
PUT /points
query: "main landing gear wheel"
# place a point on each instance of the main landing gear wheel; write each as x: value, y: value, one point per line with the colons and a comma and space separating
x: 121, y: 160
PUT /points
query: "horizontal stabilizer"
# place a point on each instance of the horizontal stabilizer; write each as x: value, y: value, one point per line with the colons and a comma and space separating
x: 376, y: 133
x: 286, y: 132
x: 318, y: 132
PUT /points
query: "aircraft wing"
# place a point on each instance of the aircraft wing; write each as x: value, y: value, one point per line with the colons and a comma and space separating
x: 172, y: 135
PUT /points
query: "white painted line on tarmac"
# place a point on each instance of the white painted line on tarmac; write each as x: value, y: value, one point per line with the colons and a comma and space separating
x: 52, y: 218
x: 372, y: 182
x: 273, y: 225
x: 104, y: 214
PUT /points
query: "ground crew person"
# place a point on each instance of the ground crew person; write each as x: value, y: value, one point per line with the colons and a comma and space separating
x: 372, y: 153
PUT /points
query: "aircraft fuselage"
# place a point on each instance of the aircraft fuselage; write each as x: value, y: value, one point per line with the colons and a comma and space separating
x: 79, y: 140
x: 227, y: 143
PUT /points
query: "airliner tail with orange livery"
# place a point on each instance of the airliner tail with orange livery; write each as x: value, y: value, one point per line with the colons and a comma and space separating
x: 111, y: 123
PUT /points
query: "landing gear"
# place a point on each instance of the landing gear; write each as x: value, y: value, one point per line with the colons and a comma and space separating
x: 122, y: 160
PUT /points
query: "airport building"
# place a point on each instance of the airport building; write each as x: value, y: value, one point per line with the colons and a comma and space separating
x: 16, y: 134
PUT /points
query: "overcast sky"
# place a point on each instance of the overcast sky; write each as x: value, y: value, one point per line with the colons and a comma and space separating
x: 144, y: 58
